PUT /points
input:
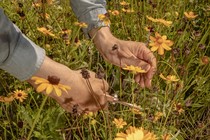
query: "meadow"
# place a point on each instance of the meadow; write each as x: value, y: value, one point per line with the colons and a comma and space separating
x: 177, y: 107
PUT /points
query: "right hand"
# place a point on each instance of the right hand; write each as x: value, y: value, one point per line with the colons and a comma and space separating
x: 80, y: 95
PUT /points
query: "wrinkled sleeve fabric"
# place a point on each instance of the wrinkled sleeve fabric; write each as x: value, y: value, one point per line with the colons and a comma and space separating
x: 19, y: 56
x: 87, y: 11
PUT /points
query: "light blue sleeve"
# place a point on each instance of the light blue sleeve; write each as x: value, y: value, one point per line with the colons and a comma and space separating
x: 19, y: 56
x: 87, y: 11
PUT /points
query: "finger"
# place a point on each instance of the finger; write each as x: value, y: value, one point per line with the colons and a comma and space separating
x: 110, y: 98
x: 141, y: 81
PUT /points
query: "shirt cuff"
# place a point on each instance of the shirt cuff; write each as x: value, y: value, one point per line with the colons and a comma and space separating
x: 91, y: 18
x: 26, y: 59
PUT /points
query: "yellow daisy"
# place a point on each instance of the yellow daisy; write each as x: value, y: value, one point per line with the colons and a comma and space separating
x: 49, y: 85
x: 124, y: 3
x: 190, y: 15
x: 6, y: 99
x: 20, y: 95
x: 119, y: 122
x: 160, y: 43
x: 105, y: 19
x: 169, y: 78
x: 46, y: 31
x: 81, y: 24
x: 158, y: 115
x: 160, y: 20
x: 133, y: 133
x: 134, y: 69
x: 115, y: 12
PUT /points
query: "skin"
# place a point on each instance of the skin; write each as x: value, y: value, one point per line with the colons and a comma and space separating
x: 127, y: 53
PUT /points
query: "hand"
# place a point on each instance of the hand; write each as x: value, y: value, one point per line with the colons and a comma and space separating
x: 122, y: 53
x: 79, y: 99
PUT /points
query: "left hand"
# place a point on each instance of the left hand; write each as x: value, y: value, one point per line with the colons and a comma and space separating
x: 122, y: 53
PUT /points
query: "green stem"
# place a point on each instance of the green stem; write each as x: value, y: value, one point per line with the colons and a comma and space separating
x: 37, y: 117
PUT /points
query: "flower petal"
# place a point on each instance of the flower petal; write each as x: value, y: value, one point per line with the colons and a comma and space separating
x: 152, y: 38
x: 160, y: 50
x: 41, y: 87
x: 49, y: 89
x: 154, y: 48
x: 57, y: 90
x: 163, y: 77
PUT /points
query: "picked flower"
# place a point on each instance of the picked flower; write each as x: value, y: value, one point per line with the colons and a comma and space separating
x: 105, y: 19
x: 20, y: 95
x: 169, y: 78
x: 160, y: 43
x: 190, y: 15
x: 119, y: 123
x: 49, y: 85
x: 134, y: 69
x: 133, y: 133
x: 46, y: 31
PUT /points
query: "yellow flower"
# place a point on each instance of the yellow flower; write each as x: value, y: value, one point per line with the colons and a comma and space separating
x: 165, y: 22
x: 190, y: 15
x: 20, y: 95
x: 133, y: 133
x: 115, y: 12
x: 178, y: 108
x: 45, y: 15
x: 160, y: 20
x: 169, y: 78
x: 146, y: 28
x: 65, y: 31
x: 51, y: 84
x: 105, y: 19
x: 6, y: 99
x: 158, y: 115
x: 45, y: 31
x: 166, y: 137
x: 160, y: 43
x: 119, y: 122
x: 93, y: 122
x: 152, y: 19
x: 177, y: 14
x: 127, y: 10
x: 123, y: 3
x: 38, y: 3
x: 134, y: 69
x: 81, y: 24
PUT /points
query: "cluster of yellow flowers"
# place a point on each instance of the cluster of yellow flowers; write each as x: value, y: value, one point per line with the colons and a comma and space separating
x: 160, y: 43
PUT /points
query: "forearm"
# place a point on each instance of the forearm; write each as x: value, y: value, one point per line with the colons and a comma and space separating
x: 87, y: 11
x: 19, y: 56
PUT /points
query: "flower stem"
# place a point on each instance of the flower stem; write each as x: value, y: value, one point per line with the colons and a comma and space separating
x: 37, y: 117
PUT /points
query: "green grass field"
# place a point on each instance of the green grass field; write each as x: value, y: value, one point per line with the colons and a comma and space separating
x: 171, y: 110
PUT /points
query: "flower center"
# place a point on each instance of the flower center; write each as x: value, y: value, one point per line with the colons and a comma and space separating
x: 159, y: 40
x: 19, y: 94
x: 54, y: 80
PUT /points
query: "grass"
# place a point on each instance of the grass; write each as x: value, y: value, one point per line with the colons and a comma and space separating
x: 184, y: 104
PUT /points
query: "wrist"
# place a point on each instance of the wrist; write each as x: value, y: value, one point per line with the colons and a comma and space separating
x: 102, y: 38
